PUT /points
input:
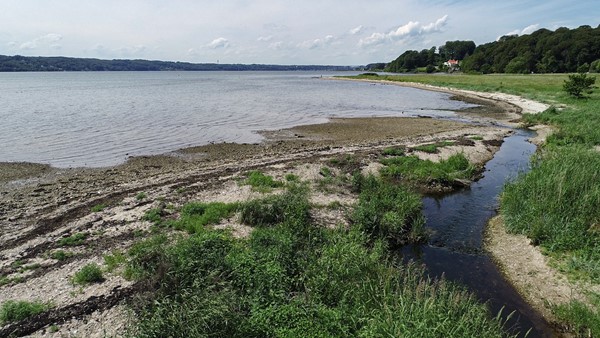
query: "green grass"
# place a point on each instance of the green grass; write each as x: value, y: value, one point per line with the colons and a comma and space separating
x: 273, y: 209
x: 5, y: 280
x: 89, y: 274
x: 433, y: 148
x: 412, y: 168
x: 98, y: 207
x: 60, y: 255
x: 196, y: 215
x: 261, y: 182
x: 585, y: 321
x: 556, y: 203
x: 291, y: 278
x: 153, y: 216
x: 73, y: 240
x: 114, y: 260
x: 389, y: 211
x: 547, y: 87
x: 14, y: 311
x: 394, y: 151
x: 141, y: 196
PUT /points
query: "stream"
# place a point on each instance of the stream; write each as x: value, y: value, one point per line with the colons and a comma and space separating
x: 455, y: 249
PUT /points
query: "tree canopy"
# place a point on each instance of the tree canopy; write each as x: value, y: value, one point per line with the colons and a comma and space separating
x: 544, y: 51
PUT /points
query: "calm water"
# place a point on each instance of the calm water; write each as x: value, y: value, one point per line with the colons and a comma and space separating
x: 455, y: 249
x: 100, y: 118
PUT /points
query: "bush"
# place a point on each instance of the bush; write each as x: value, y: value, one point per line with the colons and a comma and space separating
x: 73, y: 240
x: 579, y: 84
x: 291, y: 206
x: 195, y: 215
x: 14, y: 311
x: 261, y: 182
x: 90, y: 273
x: 389, y: 212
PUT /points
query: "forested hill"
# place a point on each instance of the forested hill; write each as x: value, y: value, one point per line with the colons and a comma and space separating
x: 544, y: 51
x: 40, y: 64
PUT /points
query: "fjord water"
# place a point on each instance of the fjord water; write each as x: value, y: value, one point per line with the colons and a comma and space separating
x: 94, y: 119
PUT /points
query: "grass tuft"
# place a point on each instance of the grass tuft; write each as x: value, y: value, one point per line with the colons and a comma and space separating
x: 261, y: 182
x: 89, y: 274
x: 13, y: 311
x: 73, y: 240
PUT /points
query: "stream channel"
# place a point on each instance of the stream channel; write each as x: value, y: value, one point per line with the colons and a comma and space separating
x: 457, y: 223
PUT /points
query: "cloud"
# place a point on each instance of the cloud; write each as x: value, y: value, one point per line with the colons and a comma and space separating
x: 317, y: 43
x: 357, y: 30
x: 265, y: 38
x: 411, y: 29
x: 527, y: 30
x: 48, y: 40
x: 276, y: 45
x: 219, y: 43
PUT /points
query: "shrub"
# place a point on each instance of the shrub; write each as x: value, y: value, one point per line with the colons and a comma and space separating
x: 412, y: 168
x: 73, y: 240
x: 98, y: 208
x: 90, y: 273
x: 60, y: 255
x: 141, y: 196
x: 261, y: 182
x: 579, y: 84
x: 195, y: 215
x: 14, y: 311
x: 154, y: 216
x: 389, y: 212
x: 394, y: 151
x: 290, y: 206
x: 114, y: 260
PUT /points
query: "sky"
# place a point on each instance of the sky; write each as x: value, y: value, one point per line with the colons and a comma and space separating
x: 331, y: 32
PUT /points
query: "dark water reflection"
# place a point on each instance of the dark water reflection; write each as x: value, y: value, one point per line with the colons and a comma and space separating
x: 457, y: 222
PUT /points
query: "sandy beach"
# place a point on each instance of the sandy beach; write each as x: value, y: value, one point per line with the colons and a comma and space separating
x: 40, y: 205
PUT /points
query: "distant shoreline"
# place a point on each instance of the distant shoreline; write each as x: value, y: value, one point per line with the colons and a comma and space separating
x: 18, y: 63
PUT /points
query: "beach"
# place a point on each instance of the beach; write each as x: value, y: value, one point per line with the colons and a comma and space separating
x: 41, y: 205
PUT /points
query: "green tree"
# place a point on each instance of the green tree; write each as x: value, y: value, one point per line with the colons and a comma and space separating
x: 579, y: 84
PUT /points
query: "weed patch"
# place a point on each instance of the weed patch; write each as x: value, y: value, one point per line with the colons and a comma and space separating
x: 98, y: 208
x: 261, y: 182
x: 389, y: 212
x: 412, y: 168
x: 195, y: 215
x: 14, y: 311
x: 90, y: 273
x: 73, y: 240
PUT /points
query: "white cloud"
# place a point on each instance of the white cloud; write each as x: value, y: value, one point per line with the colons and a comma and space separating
x: 411, y: 29
x: 527, y: 30
x: 436, y: 26
x: 219, y: 43
x: 357, y: 30
x: 265, y: 38
x: 48, y: 40
x: 317, y: 43
x: 276, y: 45
x: 530, y: 29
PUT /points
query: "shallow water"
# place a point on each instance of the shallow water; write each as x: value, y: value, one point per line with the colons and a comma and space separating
x: 94, y: 119
x: 455, y: 249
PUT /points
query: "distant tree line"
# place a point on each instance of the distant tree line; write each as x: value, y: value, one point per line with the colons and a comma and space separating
x: 19, y: 63
x: 561, y: 51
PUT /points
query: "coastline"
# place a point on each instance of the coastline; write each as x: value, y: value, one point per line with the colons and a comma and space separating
x: 52, y: 204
